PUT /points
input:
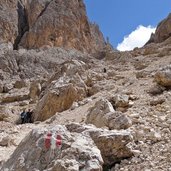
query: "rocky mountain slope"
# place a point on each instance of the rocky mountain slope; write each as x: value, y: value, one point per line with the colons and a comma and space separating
x: 105, y: 112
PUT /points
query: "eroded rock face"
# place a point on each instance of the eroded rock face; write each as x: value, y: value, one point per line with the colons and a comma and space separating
x: 163, y: 31
x: 163, y: 77
x: 13, y: 21
x: 8, y: 21
x: 62, y: 24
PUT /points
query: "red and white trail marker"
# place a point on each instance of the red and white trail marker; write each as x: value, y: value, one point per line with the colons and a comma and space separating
x: 53, y: 141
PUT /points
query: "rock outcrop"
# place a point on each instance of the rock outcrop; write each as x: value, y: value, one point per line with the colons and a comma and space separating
x: 162, y: 32
x: 8, y: 21
x: 76, y: 151
x: 34, y: 24
x: 62, y: 24
x: 13, y: 21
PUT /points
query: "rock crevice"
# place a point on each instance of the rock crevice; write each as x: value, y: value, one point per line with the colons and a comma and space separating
x: 22, y: 23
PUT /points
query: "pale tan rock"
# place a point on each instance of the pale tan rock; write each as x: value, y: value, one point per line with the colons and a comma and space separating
x: 20, y: 84
x: 112, y: 144
x: 57, y: 99
x: 7, y: 114
x: 6, y: 141
x: 120, y: 100
x: 15, y: 95
x: 65, y: 87
x: 163, y: 77
x: 7, y: 87
x: 35, y: 90
x: 102, y: 114
x: 97, y: 113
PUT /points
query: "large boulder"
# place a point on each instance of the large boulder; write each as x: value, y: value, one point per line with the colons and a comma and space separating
x: 96, y: 114
x: 113, y: 144
x: 75, y: 152
x: 163, y: 77
x: 65, y: 87
x: 50, y: 24
x: 72, y: 147
x: 102, y: 114
x: 56, y: 99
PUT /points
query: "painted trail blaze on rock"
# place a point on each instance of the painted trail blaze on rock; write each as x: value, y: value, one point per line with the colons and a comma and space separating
x: 52, y: 141
x: 48, y: 140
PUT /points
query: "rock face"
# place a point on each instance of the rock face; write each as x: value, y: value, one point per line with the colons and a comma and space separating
x: 33, y: 24
x: 13, y: 22
x: 77, y: 151
x: 163, y: 77
x: 62, y: 24
x: 163, y: 31
x: 8, y: 21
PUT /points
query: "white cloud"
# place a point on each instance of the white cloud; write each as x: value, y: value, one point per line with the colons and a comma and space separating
x: 137, y: 38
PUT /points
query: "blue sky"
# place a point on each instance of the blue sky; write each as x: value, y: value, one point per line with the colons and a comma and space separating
x: 119, y: 18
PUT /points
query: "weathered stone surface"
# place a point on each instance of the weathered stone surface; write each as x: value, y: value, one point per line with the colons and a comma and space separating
x: 8, y: 21
x: 56, y: 99
x: 1, y: 88
x: 14, y: 96
x: 163, y: 31
x: 76, y: 152
x: 120, y: 100
x: 97, y: 113
x: 163, y: 77
x: 8, y: 115
x: 112, y: 144
x: 118, y: 121
x: 102, y: 114
x: 20, y: 84
x: 7, y: 87
x: 6, y: 141
x: 65, y: 87
x: 69, y: 29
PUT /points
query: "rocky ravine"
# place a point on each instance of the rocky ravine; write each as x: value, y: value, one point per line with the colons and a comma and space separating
x: 111, y: 112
